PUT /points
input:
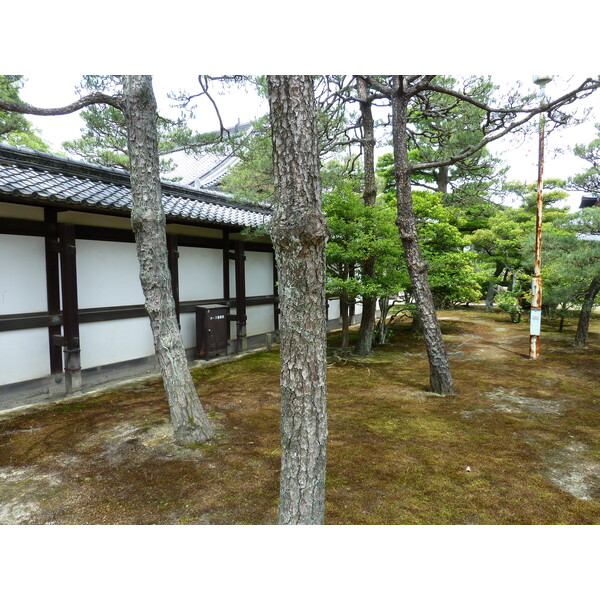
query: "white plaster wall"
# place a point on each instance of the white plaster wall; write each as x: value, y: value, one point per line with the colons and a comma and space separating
x: 95, y: 220
x: 334, y: 309
x: 19, y: 211
x: 200, y: 273
x: 107, y: 274
x: 24, y: 355
x: 259, y: 274
x: 260, y: 319
x: 108, y: 342
x: 22, y: 274
x: 232, y: 288
x: 188, y: 329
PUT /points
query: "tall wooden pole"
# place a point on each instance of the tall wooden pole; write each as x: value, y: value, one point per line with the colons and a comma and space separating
x: 535, y: 319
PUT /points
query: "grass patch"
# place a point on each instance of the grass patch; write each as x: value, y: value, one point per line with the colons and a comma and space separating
x: 519, y: 442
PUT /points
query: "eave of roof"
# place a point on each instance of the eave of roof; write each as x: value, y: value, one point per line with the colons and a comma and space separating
x: 29, y: 174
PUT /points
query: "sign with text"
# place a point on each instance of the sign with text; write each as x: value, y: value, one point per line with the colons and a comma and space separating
x: 535, y: 321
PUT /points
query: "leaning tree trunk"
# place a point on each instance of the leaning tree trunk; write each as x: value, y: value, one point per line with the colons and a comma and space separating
x: 440, y: 377
x: 299, y: 236
x: 585, y: 315
x: 369, y: 305
x: 190, y: 424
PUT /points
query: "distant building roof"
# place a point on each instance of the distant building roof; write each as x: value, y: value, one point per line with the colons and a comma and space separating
x: 588, y: 201
x: 45, y: 178
x: 206, y: 170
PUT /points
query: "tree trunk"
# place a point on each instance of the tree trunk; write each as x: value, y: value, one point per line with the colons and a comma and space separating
x: 190, y: 424
x: 489, y: 299
x: 440, y: 377
x: 367, y: 321
x: 382, y: 329
x: 442, y: 179
x: 345, y: 318
x: 585, y: 315
x: 299, y: 235
x: 492, y: 289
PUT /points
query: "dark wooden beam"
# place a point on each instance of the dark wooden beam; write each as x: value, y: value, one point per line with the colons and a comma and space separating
x: 68, y: 271
x: 53, y: 289
x: 114, y: 313
x: 240, y: 296
x: 24, y: 227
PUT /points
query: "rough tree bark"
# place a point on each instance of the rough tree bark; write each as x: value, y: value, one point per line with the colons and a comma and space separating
x: 367, y: 321
x: 440, y: 377
x: 299, y: 235
x: 583, y: 324
x: 492, y: 289
x: 345, y: 321
x: 190, y: 424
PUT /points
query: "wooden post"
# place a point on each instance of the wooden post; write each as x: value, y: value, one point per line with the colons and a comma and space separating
x: 226, y: 286
x: 68, y: 269
x: 53, y: 291
x: 173, y: 258
x: 240, y: 297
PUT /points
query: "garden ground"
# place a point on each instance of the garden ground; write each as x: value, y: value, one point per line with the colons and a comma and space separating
x: 519, y: 442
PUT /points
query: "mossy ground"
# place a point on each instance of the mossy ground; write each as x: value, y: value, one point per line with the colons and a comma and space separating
x: 529, y: 432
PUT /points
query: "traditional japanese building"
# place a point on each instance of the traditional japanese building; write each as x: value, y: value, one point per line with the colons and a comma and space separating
x: 69, y: 276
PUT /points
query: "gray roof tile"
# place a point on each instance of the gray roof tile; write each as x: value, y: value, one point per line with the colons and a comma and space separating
x: 36, y: 175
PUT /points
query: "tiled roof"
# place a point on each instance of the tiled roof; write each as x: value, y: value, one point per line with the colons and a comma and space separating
x: 206, y: 170
x: 200, y: 171
x: 28, y: 174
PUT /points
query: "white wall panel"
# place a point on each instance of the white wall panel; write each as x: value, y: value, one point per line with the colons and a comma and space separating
x: 232, y: 288
x: 22, y: 274
x: 107, y: 274
x: 108, y: 342
x: 188, y: 329
x: 24, y: 355
x: 259, y: 274
x: 260, y: 319
x: 200, y: 273
x: 334, y: 309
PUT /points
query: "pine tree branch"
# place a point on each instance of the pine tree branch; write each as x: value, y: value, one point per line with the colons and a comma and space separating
x: 95, y: 98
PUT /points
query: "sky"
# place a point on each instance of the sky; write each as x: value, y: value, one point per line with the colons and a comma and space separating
x: 235, y: 104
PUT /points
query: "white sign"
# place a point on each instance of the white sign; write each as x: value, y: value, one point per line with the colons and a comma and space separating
x: 535, y: 321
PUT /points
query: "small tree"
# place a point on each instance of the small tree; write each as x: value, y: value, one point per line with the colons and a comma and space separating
x: 589, y: 180
x: 15, y: 129
x: 359, y: 234
x: 574, y: 255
